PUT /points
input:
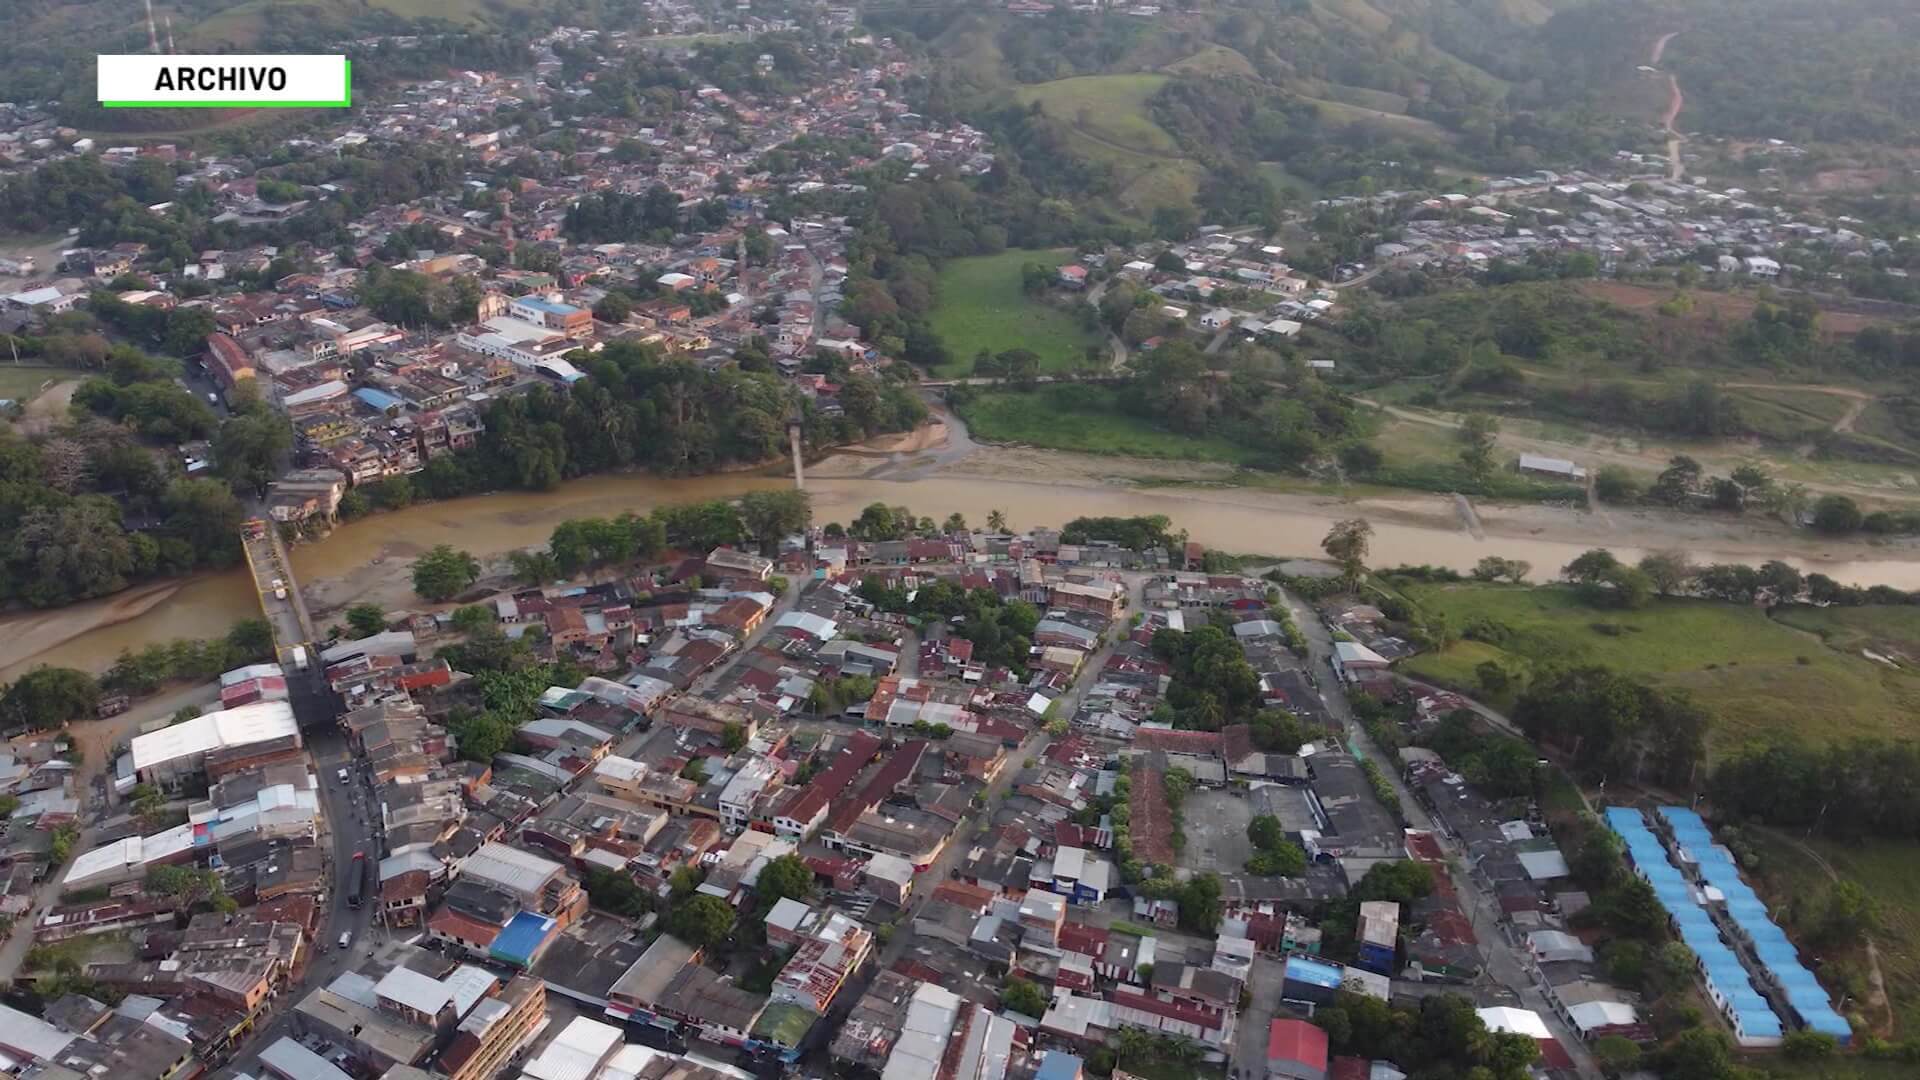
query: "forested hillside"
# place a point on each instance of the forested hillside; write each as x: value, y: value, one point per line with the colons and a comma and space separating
x: 1228, y: 111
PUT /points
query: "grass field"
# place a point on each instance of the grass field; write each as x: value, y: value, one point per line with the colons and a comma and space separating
x: 1408, y: 127
x: 1760, y: 678
x: 982, y: 307
x: 22, y: 384
x: 1087, y: 419
x: 1890, y: 631
x: 1108, y: 121
x: 1107, y: 108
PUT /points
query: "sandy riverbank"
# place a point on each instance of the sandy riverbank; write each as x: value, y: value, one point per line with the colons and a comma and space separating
x: 31, y: 633
x: 937, y: 472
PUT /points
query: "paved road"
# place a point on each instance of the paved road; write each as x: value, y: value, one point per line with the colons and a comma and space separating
x: 349, y: 824
x: 1504, y: 963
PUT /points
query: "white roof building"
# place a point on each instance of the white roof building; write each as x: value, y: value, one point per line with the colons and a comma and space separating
x: 224, y: 729
x: 414, y: 990
x: 511, y: 870
x: 577, y: 1053
x: 922, y: 1044
x: 806, y: 622
x: 290, y: 1060
x: 1589, y: 1016
x: 1506, y: 1019
x: 587, y: 1049
x: 23, y: 1035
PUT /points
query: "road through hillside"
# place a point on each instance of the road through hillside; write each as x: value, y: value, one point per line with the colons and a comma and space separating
x: 1675, y: 102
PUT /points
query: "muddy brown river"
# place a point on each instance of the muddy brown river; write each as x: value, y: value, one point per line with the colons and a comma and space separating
x: 368, y: 559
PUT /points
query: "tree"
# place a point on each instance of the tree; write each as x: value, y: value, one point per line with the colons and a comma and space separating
x: 956, y: 523
x: 615, y: 892
x: 1361, y: 458
x: 770, y: 515
x: 1492, y: 677
x: 701, y: 920
x: 480, y: 735
x: 365, y: 620
x: 534, y: 567
x: 1697, y: 1053
x: 1479, y: 434
x: 787, y: 877
x: 1495, y: 568
x: 1347, y: 543
x: 472, y: 617
x: 996, y: 521
x: 1024, y: 997
x: 48, y: 697
x: 249, y: 446
x: 1282, y: 860
x: 1678, y: 482
x: 1614, y: 484
x: 444, y: 573
x: 1667, y: 571
x: 613, y: 308
x: 1808, y: 1046
x: 1836, y: 515
x: 1265, y: 832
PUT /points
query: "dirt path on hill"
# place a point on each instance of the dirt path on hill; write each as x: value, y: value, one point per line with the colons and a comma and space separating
x: 1675, y: 102
x: 1857, y: 400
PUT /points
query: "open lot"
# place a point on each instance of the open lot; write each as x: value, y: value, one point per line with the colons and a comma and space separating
x: 1760, y: 677
x: 982, y: 306
x: 1216, y: 826
x: 22, y: 384
x: 1087, y: 419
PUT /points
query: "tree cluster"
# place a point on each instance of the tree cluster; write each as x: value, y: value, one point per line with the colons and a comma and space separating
x: 1612, y: 726
x: 1213, y: 685
x: 1437, y: 1036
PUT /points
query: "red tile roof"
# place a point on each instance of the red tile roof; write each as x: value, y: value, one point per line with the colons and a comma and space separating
x: 832, y: 781
x: 1202, y: 1018
x: 1349, y: 1068
x: 472, y: 931
x: 1152, y: 818
x: 1555, y: 1056
x: 1179, y: 742
x: 1086, y: 940
x: 894, y: 771
x: 1297, y: 1040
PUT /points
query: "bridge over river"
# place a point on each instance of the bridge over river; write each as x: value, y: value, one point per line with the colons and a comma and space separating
x: 271, y: 572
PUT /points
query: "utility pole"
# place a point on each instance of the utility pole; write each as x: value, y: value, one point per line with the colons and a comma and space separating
x: 153, y: 39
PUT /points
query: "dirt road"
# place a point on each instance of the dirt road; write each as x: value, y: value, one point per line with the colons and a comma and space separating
x: 1675, y: 102
x: 1857, y: 400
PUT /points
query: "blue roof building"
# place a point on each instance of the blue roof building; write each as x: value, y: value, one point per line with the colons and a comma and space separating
x: 1058, y: 1065
x: 523, y: 939
x: 378, y: 400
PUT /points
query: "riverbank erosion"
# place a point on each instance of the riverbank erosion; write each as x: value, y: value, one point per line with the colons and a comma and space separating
x: 371, y: 560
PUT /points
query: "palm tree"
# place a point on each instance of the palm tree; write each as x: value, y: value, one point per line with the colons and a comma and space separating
x: 996, y: 521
